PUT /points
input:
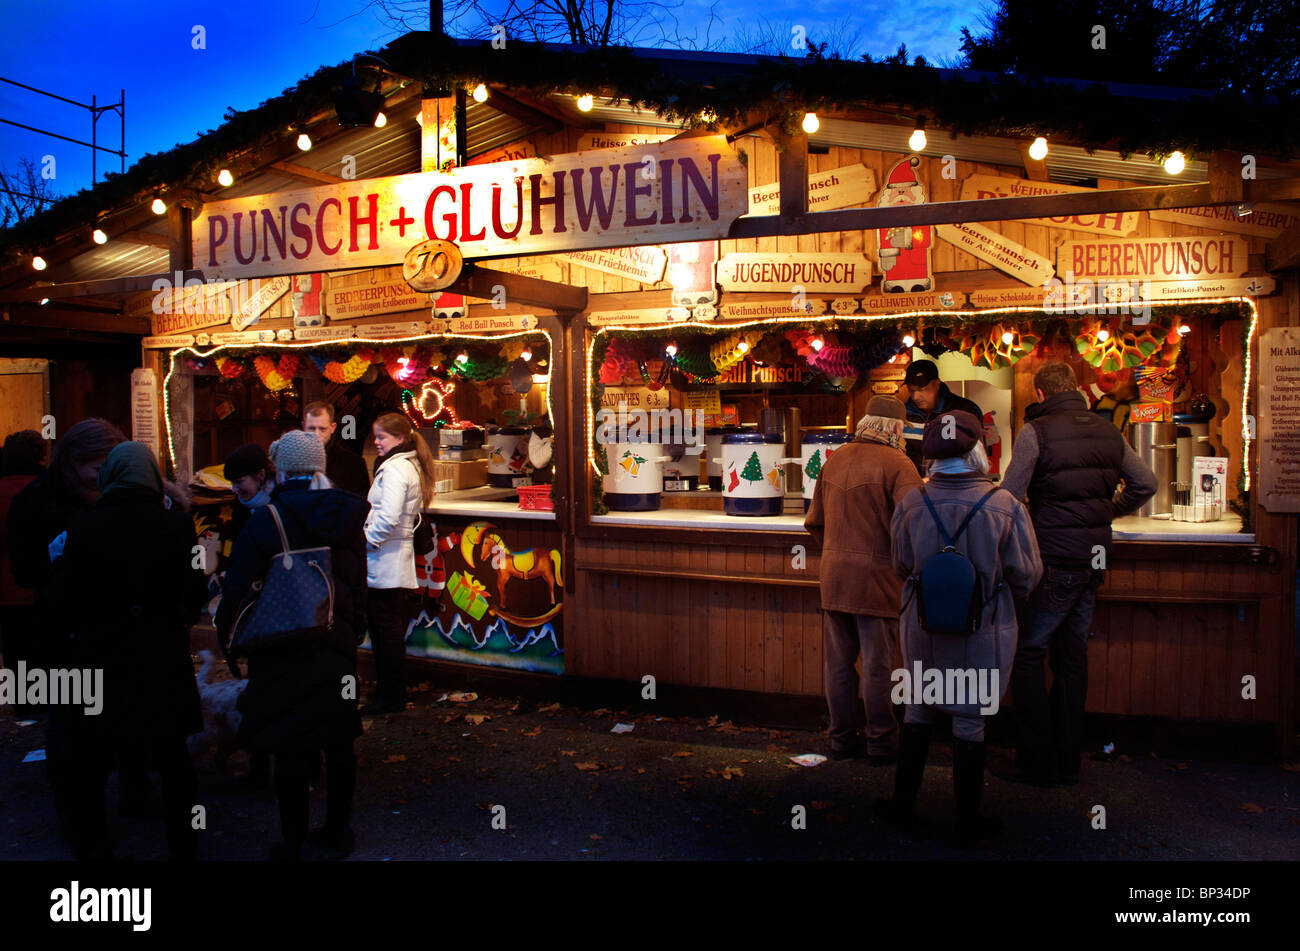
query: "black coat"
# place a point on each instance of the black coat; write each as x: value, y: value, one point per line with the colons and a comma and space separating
x: 128, y: 593
x: 295, y: 700
x: 917, y: 419
x: 39, y: 514
x: 345, y: 468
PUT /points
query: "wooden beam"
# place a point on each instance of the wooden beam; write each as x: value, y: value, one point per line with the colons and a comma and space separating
x: 1226, y: 182
x: 512, y: 107
x: 112, y: 285
x: 305, y: 174
x: 132, y: 236
x: 1035, y: 170
x: 1283, y: 252
x: 482, y: 283
x: 51, y: 317
x: 792, y: 173
x: 180, y: 248
x: 1010, y: 209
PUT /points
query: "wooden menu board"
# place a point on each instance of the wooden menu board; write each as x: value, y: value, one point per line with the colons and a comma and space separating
x: 1279, y: 419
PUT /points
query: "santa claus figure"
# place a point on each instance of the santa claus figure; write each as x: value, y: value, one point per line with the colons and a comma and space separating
x: 431, y: 570
x: 904, y: 252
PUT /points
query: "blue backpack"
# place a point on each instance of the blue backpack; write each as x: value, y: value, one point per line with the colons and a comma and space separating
x: 949, y: 591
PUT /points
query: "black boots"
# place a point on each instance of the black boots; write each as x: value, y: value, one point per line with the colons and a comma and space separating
x: 913, y: 748
x: 968, y: 788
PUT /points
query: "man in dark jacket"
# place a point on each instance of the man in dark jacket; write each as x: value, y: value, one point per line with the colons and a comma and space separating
x: 343, y: 467
x: 1068, y: 462
x: 851, y: 508
x: 928, y: 397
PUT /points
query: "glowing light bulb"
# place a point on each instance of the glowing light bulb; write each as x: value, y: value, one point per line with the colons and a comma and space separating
x: 1175, y: 164
x: 1103, y: 335
x: 38, y: 263
x: 817, y: 344
x: 811, y: 123
x: 909, y: 340
x: 1008, y: 337
x: 585, y: 102
x: 1038, y: 149
x: 159, y: 206
x: 917, y: 141
x: 462, y: 358
x: 742, y: 347
x: 44, y: 301
x: 225, y: 178
x: 893, y: 358
x: 1184, y: 330
x: 304, y: 142
x: 480, y: 93
x: 671, y: 350
x: 381, y: 120
x: 526, y: 355
x: 99, y: 236
x: 403, y: 360
x: 708, y: 116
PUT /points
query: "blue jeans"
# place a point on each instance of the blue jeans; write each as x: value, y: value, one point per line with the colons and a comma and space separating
x: 1056, y: 622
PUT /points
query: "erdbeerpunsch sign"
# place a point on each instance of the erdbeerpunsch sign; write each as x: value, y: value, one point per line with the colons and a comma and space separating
x: 681, y: 190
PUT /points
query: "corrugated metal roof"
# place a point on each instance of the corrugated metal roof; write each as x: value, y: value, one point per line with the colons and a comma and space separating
x: 115, y: 259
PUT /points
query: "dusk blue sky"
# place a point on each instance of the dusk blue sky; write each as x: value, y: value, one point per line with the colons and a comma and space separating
x: 255, y: 50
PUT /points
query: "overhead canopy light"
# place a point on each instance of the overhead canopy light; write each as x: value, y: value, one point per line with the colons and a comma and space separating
x: 480, y: 93
x: 159, y: 206
x: 1175, y: 164
x: 1038, y: 149
x: 586, y: 102
x: 99, y: 237
x: 38, y: 263
x: 304, y: 142
x: 811, y: 123
x: 917, y: 141
x: 225, y: 178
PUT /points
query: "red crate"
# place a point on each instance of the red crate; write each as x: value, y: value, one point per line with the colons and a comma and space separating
x: 536, y: 498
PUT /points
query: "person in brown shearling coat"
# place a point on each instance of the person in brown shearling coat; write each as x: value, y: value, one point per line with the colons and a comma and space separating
x: 1000, y: 543
x: 856, y: 493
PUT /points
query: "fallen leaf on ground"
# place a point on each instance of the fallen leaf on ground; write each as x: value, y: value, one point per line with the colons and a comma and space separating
x: 568, y: 752
x: 399, y: 758
x: 462, y: 697
x: 683, y: 753
x: 589, y: 766
x: 536, y: 731
x: 549, y: 708
x: 729, y: 771
x: 477, y: 718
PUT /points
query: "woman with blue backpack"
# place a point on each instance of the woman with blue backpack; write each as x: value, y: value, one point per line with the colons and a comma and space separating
x: 966, y: 550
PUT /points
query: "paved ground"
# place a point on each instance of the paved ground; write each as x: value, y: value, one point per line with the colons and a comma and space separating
x: 683, y: 788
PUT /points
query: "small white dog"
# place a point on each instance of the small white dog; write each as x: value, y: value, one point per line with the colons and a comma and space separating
x: 221, y: 717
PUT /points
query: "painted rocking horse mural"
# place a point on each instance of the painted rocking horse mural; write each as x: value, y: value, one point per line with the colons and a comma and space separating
x: 488, y: 612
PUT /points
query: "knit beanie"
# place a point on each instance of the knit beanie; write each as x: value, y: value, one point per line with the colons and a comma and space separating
x: 245, y: 461
x: 298, y: 453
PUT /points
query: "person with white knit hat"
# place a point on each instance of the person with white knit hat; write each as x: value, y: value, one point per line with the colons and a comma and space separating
x: 297, y: 703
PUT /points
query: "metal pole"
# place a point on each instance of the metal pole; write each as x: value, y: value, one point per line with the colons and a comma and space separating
x: 94, y: 132
x: 123, y: 152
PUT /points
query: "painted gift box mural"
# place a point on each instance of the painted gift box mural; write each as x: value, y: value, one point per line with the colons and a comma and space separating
x: 489, y: 597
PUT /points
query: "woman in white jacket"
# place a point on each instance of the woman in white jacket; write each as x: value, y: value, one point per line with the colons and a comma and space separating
x: 403, y: 487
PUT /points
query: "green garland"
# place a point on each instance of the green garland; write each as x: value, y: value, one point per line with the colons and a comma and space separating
x: 960, y: 101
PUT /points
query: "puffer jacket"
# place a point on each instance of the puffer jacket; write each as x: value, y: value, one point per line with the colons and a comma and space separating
x: 395, y: 500
x: 1000, y: 543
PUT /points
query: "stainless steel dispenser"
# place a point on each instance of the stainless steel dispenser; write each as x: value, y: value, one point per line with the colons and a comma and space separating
x: 1156, y: 445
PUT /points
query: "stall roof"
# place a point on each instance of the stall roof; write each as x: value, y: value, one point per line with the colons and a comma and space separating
x: 1095, y: 128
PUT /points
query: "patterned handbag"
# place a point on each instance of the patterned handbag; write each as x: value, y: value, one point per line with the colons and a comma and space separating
x: 293, y: 605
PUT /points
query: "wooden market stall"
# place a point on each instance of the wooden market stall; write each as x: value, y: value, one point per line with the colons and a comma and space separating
x: 684, y: 246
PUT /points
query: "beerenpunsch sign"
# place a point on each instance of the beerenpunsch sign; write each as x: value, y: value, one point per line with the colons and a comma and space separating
x: 680, y: 190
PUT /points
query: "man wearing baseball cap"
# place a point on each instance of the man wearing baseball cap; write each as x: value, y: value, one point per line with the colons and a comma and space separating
x: 928, y: 397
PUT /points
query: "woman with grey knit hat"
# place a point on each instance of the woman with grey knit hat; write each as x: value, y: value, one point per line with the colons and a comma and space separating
x: 303, y: 700
x: 856, y: 493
